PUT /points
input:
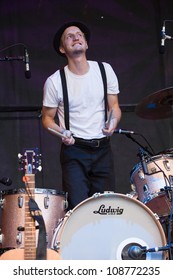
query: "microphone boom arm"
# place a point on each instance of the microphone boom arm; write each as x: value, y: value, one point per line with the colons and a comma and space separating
x: 8, y: 58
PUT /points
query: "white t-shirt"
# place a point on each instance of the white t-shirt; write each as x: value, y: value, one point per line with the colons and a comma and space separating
x: 86, y: 99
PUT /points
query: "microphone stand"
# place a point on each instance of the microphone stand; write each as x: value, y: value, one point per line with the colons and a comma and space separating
x: 134, y: 140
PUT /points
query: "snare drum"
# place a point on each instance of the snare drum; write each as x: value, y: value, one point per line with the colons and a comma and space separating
x: 151, y: 188
x: 51, y: 202
x: 104, y: 226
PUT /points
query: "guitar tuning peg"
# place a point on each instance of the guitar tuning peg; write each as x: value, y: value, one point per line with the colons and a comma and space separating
x: 19, y: 156
x: 39, y: 168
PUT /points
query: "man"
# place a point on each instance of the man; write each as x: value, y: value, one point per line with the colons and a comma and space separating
x: 86, y: 157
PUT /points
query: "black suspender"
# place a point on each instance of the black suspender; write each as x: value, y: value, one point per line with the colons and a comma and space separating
x: 65, y: 93
x: 102, y: 69
x: 65, y: 98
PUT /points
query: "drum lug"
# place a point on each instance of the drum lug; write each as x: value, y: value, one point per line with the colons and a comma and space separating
x: 46, y: 202
x: 65, y: 206
x: 1, y: 237
x: 108, y: 192
x: 133, y: 188
x: 156, y: 216
x: 132, y: 194
x: 20, y: 201
x: 56, y: 246
x: 55, y: 243
x: 141, y: 175
x: 1, y: 203
x: 19, y: 238
x: 96, y: 195
x: 167, y: 165
x: 146, y: 189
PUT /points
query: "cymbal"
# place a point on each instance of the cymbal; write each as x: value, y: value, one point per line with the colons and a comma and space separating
x: 158, y: 105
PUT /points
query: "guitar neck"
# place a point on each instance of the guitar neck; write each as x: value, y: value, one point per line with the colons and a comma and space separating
x: 30, y: 231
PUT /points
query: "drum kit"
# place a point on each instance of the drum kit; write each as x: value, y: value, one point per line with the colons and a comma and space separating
x: 108, y: 225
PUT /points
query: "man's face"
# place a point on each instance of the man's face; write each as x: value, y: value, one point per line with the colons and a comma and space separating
x: 73, y: 41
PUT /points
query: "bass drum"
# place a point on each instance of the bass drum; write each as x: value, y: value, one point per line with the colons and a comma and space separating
x: 105, y: 226
x: 51, y: 202
x: 150, y: 188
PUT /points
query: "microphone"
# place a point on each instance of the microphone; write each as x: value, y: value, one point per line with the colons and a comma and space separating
x: 27, y: 69
x: 124, y: 131
x: 6, y: 181
x: 136, y: 252
x: 163, y: 38
x: 163, y: 35
x: 143, y: 161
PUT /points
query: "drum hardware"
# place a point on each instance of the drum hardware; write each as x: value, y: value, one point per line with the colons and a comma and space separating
x: 168, y: 191
x: 56, y: 243
x: 171, y: 180
x: 154, y: 188
x: 148, y: 175
x: 167, y: 165
x: 138, y: 252
x: 46, y: 202
x: 20, y: 201
x: 66, y: 201
x: 132, y: 252
x: 1, y: 200
x: 19, y: 238
x: 142, y: 155
x: 132, y: 194
x: 20, y: 228
x: 12, y: 204
x: 0, y: 237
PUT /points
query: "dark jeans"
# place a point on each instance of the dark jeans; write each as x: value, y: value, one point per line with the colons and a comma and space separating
x: 86, y: 171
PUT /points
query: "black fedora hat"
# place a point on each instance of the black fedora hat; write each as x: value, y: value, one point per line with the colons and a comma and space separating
x: 57, y: 37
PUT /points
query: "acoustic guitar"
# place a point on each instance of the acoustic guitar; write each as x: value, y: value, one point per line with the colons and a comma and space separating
x: 31, y: 165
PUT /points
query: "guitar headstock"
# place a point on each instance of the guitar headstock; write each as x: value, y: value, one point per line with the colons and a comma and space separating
x: 30, y: 161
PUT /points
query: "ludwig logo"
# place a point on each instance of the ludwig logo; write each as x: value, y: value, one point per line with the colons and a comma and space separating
x: 109, y: 210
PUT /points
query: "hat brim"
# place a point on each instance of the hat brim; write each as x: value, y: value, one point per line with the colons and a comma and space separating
x: 57, y: 37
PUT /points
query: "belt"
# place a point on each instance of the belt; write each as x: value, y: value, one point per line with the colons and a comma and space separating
x: 95, y: 143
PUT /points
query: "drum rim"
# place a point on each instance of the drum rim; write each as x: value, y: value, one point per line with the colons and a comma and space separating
x: 155, y: 157
x: 37, y: 191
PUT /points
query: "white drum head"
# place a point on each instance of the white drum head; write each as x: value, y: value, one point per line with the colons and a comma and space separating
x: 102, y: 226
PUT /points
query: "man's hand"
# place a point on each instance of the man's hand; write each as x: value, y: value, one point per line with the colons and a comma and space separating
x: 68, y: 138
x: 108, y: 130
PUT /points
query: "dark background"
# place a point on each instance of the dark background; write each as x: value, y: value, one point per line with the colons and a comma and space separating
x: 125, y: 34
